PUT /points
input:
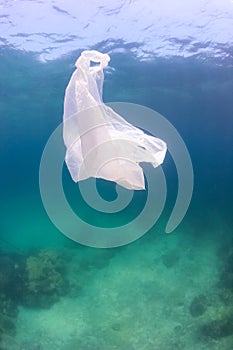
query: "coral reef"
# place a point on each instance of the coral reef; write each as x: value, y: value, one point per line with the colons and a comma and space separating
x: 222, y: 325
x: 8, y: 306
x: 226, y: 276
x: 36, y: 280
x: 12, y: 275
x: 217, y: 329
x: 170, y: 259
x: 11, y: 290
x: 45, y: 280
x: 6, y: 325
x: 198, y: 305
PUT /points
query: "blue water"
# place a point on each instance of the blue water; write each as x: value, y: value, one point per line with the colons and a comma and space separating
x: 140, y: 296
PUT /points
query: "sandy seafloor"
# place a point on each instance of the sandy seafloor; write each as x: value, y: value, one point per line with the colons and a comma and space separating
x: 135, y: 297
x: 133, y: 301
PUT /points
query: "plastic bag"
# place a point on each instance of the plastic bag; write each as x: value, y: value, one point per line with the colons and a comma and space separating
x: 100, y: 143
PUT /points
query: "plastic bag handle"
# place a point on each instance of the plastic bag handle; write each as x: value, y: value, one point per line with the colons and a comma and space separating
x: 91, y: 55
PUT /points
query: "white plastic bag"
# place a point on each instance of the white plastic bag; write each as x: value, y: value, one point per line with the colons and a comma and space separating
x: 99, y: 142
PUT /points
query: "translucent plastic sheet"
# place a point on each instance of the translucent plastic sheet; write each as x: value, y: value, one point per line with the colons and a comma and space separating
x: 100, y: 143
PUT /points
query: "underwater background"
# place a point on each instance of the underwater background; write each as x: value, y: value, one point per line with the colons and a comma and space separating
x: 163, y: 291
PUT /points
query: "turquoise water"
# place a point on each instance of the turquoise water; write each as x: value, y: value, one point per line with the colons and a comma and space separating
x: 162, y: 291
